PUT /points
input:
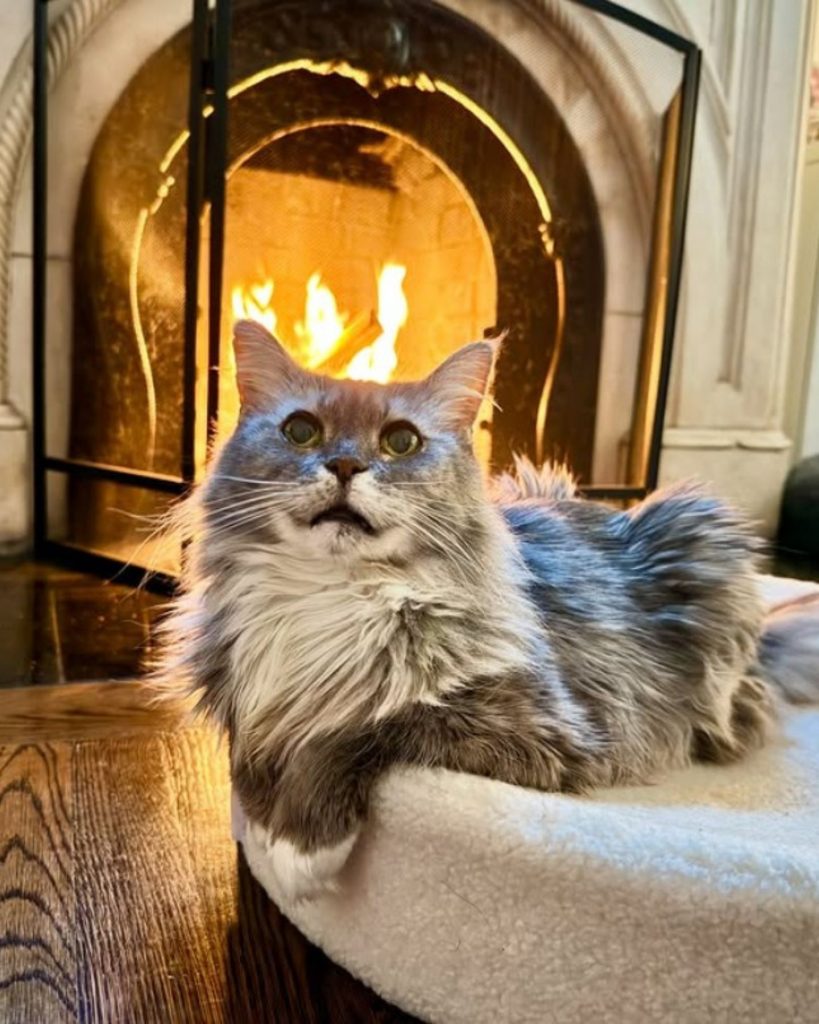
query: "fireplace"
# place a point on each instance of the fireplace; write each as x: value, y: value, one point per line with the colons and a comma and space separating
x: 379, y: 181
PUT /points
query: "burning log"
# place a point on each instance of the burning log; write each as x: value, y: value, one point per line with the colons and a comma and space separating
x: 362, y: 331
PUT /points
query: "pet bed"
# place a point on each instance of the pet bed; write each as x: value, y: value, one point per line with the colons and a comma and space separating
x: 696, y: 899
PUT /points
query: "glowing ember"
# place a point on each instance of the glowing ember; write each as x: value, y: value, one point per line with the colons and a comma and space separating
x: 325, y: 339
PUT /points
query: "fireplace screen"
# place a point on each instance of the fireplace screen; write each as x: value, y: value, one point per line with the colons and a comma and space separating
x: 378, y: 182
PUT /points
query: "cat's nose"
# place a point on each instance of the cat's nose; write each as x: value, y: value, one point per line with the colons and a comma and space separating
x: 344, y: 468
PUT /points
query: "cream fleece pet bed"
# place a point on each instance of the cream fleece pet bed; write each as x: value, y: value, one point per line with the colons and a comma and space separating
x: 697, y: 899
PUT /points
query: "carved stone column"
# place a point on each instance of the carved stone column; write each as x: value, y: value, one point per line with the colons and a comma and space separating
x: 726, y: 419
x: 74, y: 21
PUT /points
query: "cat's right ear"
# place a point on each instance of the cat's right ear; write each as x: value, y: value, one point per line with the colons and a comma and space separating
x: 264, y: 370
x: 461, y: 382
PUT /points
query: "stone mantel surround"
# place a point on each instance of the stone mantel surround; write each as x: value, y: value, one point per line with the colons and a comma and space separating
x: 726, y: 413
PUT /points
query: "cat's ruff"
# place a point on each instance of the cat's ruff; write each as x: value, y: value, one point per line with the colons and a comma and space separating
x: 468, y: 901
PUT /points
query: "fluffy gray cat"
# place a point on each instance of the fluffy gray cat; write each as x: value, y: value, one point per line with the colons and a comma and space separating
x: 355, y: 599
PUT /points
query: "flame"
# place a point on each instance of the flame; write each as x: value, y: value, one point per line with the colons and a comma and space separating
x: 323, y: 330
x: 320, y: 330
x: 254, y: 303
x: 379, y: 360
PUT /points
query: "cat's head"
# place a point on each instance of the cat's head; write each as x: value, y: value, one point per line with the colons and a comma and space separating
x: 349, y: 468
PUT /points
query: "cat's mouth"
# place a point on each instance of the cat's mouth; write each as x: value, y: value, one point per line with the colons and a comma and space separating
x: 344, y: 516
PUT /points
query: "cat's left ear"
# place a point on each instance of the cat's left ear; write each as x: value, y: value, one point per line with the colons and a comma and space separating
x: 264, y: 370
x: 460, y: 384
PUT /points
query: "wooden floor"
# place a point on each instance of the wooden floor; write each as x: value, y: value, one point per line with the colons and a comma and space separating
x: 52, y: 620
x: 122, y: 896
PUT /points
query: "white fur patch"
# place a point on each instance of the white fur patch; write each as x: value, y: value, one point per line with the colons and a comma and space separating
x: 302, y: 876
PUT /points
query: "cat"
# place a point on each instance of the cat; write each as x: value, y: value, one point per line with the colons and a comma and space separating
x: 355, y: 598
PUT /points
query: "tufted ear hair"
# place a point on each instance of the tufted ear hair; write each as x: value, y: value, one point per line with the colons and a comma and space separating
x: 460, y: 384
x: 264, y: 370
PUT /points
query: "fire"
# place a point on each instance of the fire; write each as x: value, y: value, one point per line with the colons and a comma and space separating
x: 326, y: 339
x: 379, y: 360
x: 322, y: 327
x: 254, y: 303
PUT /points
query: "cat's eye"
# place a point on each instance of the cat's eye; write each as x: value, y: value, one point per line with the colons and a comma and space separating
x: 302, y: 430
x: 400, y: 439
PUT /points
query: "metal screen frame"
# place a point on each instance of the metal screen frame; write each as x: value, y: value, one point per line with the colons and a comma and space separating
x: 210, y: 33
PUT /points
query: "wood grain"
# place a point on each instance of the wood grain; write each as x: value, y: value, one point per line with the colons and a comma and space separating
x: 208, y: 946
x: 136, y: 890
x: 124, y: 899
x: 37, y: 906
x: 85, y: 711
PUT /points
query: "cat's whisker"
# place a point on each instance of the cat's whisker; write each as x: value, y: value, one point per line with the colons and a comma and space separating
x: 247, y: 498
x: 235, y: 520
x: 257, y: 481
x: 245, y: 501
x: 235, y: 526
x: 212, y: 509
x: 241, y: 500
x: 237, y: 515
x: 442, y: 540
x: 451, y: 542
x: 144, y: 517
x: 128, y: 563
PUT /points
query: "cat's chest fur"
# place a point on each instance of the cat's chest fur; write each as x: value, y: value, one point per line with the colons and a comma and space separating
x: 319, y: 646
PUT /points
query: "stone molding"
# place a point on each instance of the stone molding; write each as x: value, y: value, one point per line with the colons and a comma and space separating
x: 623, y: 94
x: 727, y: 437
x: 71, y: 28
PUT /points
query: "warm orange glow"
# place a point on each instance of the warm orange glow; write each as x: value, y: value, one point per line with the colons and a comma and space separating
x: 325, y: 339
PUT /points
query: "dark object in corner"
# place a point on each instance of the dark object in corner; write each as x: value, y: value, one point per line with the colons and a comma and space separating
x: 799, y: 517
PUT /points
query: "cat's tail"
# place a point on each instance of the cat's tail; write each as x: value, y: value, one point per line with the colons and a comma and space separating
x: 551, y: 481
x: 789, y: 649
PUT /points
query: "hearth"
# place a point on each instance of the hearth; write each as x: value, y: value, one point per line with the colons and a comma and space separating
x: 379, y: 181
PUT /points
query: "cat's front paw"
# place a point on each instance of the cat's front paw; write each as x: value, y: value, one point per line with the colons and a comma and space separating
x: 300, y: 875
